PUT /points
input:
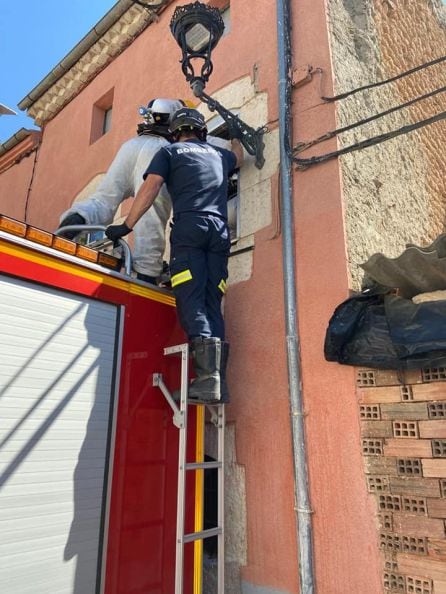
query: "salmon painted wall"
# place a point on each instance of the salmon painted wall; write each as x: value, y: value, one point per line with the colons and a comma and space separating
x: 346, y: 551
x: 149, y: 67
x: 346, y: 547
x: 14, y: 186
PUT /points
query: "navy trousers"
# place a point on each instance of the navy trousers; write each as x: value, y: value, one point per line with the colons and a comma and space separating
x: 200, y: 246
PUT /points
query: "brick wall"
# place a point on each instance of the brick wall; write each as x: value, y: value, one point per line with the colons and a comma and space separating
x: 403, y: 440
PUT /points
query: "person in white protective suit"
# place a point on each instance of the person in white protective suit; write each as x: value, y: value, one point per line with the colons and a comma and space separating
x: 122, y: 180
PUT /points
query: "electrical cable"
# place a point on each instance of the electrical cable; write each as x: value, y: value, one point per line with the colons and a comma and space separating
x: 303, y: 146
x: 304, y: 163
x: 28, y: 193
x: 388, y: 80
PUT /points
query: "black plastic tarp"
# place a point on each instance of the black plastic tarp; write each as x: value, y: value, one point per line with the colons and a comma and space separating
x: 383, y: 331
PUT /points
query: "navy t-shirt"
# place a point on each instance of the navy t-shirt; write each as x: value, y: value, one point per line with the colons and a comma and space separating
x: 196, y: 174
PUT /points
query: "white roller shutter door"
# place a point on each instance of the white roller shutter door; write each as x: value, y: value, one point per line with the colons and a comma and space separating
x: 57, y: 355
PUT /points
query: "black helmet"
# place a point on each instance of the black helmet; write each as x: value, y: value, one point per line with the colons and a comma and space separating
x: 188, y: 119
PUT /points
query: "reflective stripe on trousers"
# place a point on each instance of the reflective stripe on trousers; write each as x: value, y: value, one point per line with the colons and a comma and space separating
x: 200, y: 245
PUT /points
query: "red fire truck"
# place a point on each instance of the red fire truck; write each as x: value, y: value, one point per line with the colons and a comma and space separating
x: 88, y: 449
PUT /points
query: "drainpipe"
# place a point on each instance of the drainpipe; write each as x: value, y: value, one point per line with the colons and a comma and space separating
x: 301, y: 491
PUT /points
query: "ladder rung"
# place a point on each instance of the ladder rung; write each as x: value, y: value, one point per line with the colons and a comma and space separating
x: 202, y: 465
x: 193, y: 402
x: 201, y: 535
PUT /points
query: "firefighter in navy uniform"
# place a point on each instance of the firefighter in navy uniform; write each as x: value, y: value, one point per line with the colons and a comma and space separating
x: 196, y: 175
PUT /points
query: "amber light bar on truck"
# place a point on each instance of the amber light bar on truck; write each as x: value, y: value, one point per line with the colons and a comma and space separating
x: 61, y: 244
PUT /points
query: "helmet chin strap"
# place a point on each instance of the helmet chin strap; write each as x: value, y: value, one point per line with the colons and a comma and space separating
x: 156, y: 129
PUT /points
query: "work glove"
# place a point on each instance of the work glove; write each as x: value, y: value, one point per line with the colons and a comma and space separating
x: 234, y: 130
x: 115, y: 232
x: 72, y: 219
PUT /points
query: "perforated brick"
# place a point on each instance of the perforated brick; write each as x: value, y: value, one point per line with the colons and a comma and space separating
x: 389, y: 502
x: 376, y: 484
x: 409, y: 466
x: 406, y: 393
x: 370, y: 412
x: 416, y: 585
x: 390, y: 562
x: 405, y: 429
x: 365, y: 378
x: 434, y: 374
x: 414, y: 545
x: 439, y: 448
x: 372, y: 447
x: 394, y: 582
x: 437, y: 410
x: 390, y: 542
x: 386, y: 521
x: 414, y: 505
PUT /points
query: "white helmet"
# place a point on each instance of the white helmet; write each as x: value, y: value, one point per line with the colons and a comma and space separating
x: 160, y: 111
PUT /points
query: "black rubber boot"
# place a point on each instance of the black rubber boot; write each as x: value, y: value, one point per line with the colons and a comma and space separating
x: 224, y: 362
x: 207, y: 358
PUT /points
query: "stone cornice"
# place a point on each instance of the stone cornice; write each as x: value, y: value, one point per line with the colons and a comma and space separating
x: 91, y: 60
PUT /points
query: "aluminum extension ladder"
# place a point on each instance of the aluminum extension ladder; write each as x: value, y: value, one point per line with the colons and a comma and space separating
x: 217, y: 414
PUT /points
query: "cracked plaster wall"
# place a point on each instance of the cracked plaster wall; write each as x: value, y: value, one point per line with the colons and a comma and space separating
x: 395, y: 192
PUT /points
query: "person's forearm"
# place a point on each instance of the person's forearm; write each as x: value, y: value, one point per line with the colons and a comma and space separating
x: 144, y: 199
x: 237, y: 149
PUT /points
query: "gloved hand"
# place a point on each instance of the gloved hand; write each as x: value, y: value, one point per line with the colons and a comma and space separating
x: 72, y: 219
x: 115, y: 232
x: 234, y: 130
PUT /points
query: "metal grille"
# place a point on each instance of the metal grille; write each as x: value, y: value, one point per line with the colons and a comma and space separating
x: 409, y: 466
x: 405, y: 429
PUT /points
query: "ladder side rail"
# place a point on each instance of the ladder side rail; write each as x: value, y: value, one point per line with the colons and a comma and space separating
x: 217, y: 412
x: 181, y: 489
x: 221, y: 500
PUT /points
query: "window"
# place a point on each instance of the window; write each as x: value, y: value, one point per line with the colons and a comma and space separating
x: 101, y: 117
x: 107, y: 120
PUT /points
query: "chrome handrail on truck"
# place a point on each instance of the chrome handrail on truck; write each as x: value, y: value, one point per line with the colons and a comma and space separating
x: 87, y: 228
